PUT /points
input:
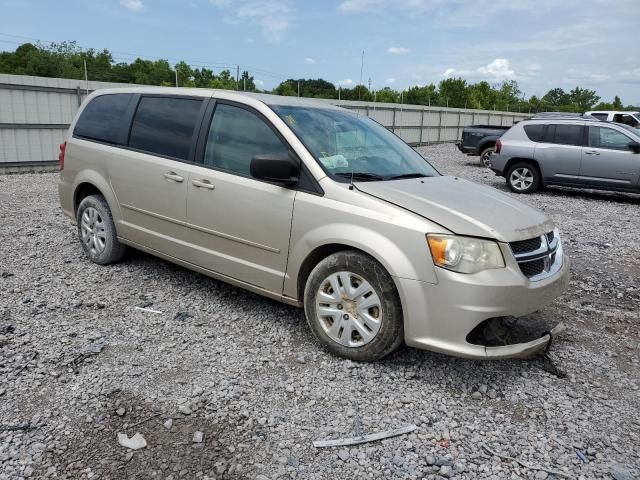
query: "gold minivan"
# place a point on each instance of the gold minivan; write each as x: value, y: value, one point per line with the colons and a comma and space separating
x: 312, y: 205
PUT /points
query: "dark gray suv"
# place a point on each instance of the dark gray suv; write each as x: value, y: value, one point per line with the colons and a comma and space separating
x: 576, y: 152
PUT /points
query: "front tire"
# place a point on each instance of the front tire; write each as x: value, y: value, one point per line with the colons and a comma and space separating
x: 523, y: 177
x: 353, y: 308
x: 97, y: 232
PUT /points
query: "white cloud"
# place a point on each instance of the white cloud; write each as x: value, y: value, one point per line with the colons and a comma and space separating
x: 631, y: 76
x: 499, y: 69
x: 391, y: 80
x: 397, y: 50
x: 309, y: 61
x: 133, y: 5
x: 259, y: 83
x: 345, y: 82
x: 534, y: 67
x: 273, y: 16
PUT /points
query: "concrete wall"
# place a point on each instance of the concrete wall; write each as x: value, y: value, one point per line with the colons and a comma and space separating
x: 35, y: 113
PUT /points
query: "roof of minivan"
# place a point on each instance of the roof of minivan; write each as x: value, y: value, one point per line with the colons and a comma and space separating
x: 271, y: 100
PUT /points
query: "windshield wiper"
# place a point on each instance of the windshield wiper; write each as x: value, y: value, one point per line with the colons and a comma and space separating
x: 407, y: 175
x: 360, y: 175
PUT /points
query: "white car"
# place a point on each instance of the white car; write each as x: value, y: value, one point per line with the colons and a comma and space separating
x: 628, y: 118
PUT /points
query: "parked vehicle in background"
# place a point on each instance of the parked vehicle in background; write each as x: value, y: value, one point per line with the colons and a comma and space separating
x: 556, y: 114
x: 577, y: 152
x: 311, y: 205
x: 627, y: 118
x: 480, y: 140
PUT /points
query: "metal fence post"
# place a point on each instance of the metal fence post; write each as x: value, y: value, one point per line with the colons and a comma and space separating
x: 421, y: 127
x: 439, y: 124
x: 79, y: 95
x: 393, y: 122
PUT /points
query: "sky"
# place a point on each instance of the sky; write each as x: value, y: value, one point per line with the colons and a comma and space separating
x: 542, y: 44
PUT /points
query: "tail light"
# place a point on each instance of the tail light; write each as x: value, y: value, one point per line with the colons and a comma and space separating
x: 63, y: 147
x: 498, y: 145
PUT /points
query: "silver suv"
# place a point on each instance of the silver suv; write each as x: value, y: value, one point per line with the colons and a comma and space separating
x: 577, y: 152
x: 311, y: 205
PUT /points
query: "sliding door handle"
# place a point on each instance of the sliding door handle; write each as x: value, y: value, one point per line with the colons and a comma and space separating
x: 203, y: 184
x: 592, y: 152
x: 174, y: 177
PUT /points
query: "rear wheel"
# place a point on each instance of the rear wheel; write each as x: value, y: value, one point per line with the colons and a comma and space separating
x: 485, y: 156
x: 97, y: 232
x: 353, y: 308
x: 523, y: 177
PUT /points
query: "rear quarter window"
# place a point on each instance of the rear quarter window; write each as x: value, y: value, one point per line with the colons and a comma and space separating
x: 534, y: 132
x: 102, y: 119
x: 165, y: 125
x: 564, y: 134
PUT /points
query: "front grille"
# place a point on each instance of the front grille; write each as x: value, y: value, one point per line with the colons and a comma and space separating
x: 525, y: 246
x: 531, y: 269
x: 534, y: 256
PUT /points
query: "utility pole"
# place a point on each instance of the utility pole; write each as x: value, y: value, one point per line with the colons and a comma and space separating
x: 298, y: 87
x: 361, y: 67
x: 369, y: 83
x: 338, y: 92
x: 176, y: 77
x: 244, y: 84
x: 86, y: 77
x: 237, y: 76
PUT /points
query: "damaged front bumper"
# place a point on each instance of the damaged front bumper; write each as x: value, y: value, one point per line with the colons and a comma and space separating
x: 440, y: 317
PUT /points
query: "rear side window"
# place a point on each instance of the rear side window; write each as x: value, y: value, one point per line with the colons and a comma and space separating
x: 534, y: 131
x: 165, y: 125
x: 600, y: 116
x: 102, y: 118
x: 564, y: 134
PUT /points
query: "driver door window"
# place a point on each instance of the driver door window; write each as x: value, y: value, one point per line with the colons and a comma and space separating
x: 608, y: 138
x: 236, y: 136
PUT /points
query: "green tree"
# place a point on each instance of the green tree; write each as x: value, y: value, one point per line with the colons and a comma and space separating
x: 387, y: 95
x: 583, y: 98
x: 417, y: 95
x: 617, y: 103
x: 453, y: 92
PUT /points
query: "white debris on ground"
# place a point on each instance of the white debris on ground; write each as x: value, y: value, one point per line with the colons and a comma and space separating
x: 246, y: 371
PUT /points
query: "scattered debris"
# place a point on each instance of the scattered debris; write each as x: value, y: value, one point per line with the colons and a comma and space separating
x: 145, y: 420
x: 27, y: 364
x: 364, y: 438
x: 182, y: 316
x: 300, y: 359
x: 14, y: 428
x: 120, y: 412
x: 134, y: 443
x: 549, y: 366
x: 583, y: 458
x: 6, y: 274
x: 149, y: 310
x: 168, y: 424
x: 526, y: 465
x: 7, y: 329
x: 619, y: 472
x: 198, y: 437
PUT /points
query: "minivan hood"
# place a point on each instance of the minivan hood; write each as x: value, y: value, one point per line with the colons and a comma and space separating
x: 463, y: 207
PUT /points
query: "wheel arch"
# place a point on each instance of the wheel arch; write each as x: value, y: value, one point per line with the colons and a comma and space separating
x: 88, y: 182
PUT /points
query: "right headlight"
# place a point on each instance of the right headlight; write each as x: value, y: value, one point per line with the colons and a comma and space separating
x: 464, y: 254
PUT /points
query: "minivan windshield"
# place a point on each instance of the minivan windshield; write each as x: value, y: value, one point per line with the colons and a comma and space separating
x: 351, y: 146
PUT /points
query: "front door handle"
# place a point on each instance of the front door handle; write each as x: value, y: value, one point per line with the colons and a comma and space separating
x: 592, y: 152
x: 203, y: 184
x: 174, y: 177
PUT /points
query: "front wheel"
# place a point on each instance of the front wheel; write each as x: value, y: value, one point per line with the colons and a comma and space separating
x: 523, y: 177
x: 353, y: 308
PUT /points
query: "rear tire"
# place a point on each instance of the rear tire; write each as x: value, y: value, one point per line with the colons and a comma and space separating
x: 485, y: 155
x: 97, y: 232
x: 353, y: 308
x: 523, y: 177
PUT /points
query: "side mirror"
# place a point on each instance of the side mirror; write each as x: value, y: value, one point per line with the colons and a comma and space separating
x: 635, y: 147
x: 275, y: 168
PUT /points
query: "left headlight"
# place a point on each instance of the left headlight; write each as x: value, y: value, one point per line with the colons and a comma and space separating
x: 464, y: 254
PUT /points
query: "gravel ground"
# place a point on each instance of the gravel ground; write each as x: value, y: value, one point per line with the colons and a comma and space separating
x: 79, y: 364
